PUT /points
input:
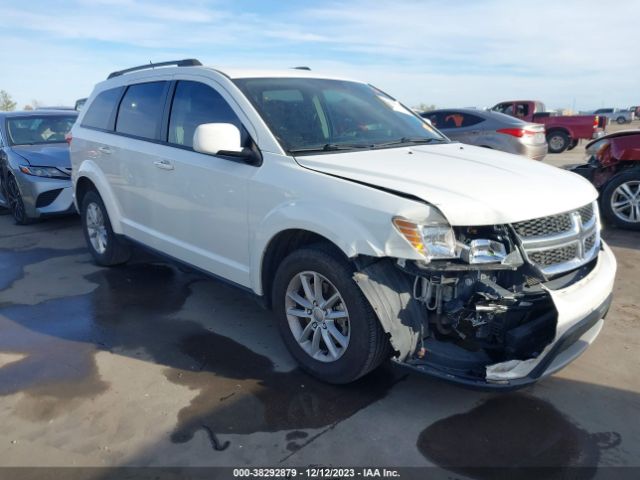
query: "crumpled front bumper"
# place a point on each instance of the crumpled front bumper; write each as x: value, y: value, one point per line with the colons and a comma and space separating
x: 581, y: 309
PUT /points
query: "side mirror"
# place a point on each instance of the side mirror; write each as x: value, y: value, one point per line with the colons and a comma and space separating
x: 224, y: 139
x: 214, y: 138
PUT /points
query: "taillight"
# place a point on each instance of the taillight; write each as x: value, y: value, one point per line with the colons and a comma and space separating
x: 68, y: 137
x: 514, y: 132
x: 596, y: 122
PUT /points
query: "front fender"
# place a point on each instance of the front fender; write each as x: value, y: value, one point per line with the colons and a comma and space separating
x: 88, y: 169
x: 343, y: 227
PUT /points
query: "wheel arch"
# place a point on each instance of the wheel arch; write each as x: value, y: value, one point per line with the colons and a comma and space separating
x: 90, y: 177
x: 279, y: 246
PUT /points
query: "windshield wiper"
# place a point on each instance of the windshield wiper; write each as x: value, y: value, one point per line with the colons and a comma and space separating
x: 412, y: 140
x: 331, y: 147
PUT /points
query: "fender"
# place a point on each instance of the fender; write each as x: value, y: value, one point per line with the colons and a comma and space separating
x: 353, y: 238
x: 90, y: 170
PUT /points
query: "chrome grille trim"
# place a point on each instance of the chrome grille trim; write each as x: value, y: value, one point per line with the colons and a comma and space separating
x: 553, y: 250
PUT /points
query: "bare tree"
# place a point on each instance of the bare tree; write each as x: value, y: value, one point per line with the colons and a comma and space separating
x: 6, y: 102
x: 36, y: 104
x: 424, y: 107
x: 27, y: 107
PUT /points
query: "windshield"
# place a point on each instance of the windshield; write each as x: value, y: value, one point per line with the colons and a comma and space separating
x: 39, y: 129
x: 310, y: 115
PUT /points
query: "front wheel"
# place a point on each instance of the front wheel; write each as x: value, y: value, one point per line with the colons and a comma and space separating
x: 621, y: 120
x: 16, y: 205
x: 105, y: 247
x: 557, y: 141
x: 324, y: 319
x: 621, y: 200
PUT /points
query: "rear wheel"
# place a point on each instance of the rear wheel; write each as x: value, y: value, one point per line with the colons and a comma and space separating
x: 558, y: 141
x: 621, y: 200
x: 621, y: 120
x: 15, y: 203
x: 324, y: 319
x: 105, y: 247
x: 573, y: 144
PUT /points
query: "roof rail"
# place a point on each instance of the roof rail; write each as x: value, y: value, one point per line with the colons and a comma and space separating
x: 187, y: 62
x: 301, y: 68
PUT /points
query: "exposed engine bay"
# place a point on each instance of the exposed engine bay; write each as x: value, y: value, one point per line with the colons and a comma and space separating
x: 478, y: 314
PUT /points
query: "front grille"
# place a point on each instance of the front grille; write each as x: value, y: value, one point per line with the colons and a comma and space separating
x: 543, y: 226
x: 559, y: 243
x: 586, y: 213
x: 554, y: 256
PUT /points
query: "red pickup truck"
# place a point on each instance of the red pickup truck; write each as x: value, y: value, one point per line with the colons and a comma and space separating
x: 563, y: 132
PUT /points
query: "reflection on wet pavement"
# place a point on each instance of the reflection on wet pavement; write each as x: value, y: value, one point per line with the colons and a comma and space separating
x: 514, y: 430
x: 135, y: 311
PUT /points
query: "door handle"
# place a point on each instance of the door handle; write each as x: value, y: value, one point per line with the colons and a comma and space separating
x: 105, y: 150
x: 163, y: 164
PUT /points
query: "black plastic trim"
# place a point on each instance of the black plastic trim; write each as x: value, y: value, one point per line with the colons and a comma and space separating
x: 187, y: 62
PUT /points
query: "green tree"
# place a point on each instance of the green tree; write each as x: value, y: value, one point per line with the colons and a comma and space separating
x: 6, y: 102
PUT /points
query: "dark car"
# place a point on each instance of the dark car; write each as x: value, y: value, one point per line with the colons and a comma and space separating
x: 35, y: 170
x: 613, y: 166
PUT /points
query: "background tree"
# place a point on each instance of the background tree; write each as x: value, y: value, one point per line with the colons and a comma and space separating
x: 424, y: 107
x: 27, y: 107
x: 36, y: 103
x: 6, y: 102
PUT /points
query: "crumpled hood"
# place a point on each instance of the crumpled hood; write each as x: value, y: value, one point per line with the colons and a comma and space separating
x: 470, y: 185
x: 51, y: 155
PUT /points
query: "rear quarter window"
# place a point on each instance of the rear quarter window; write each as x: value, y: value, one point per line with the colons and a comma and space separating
x: 101, y: 112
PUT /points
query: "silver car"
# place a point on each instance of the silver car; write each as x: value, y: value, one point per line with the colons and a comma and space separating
x: 491, y: 130
x: 35, y: 170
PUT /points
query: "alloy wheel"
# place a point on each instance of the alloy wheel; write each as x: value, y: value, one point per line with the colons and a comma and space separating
x: 317, y: 316
x: 96, y: 228
x: 625, y: 201
x: 14, y: 199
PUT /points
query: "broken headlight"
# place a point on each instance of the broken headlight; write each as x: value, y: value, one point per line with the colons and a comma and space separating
x: 437, y: 241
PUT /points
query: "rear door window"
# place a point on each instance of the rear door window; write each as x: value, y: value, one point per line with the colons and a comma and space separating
x: 140, y: 112
x: 194, y: 104
x: 101, y: 112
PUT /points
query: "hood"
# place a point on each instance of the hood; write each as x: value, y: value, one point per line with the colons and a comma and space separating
x: 49, y: 155
x: 470, y: 185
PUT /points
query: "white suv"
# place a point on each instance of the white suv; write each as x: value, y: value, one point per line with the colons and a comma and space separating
x: 368, y: 232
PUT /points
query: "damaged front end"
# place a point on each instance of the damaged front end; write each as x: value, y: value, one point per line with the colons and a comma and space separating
x: 488, y: 317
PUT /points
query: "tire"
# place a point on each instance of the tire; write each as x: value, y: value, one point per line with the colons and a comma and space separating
x: 621, y: 120
x: 367, y: 345
x: 105, y: 247
x: 573, y: 144
x: 616, y: 193
x: 558, y: 141
x: 15, y: 202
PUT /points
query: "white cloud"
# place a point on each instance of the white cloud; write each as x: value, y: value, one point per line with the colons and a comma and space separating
x: 454, y: 53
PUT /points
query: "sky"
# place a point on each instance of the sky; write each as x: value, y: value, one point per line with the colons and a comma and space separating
x: 569, y: 54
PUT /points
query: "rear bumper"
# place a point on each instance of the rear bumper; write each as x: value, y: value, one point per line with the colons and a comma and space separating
x: 581, y: 309
x: 536, y: 152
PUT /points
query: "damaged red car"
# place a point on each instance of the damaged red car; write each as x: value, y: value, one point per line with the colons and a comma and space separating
x: 613, y: 166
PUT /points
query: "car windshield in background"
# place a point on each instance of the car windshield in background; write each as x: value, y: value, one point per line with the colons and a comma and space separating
x: 311, y: 115
x: 37, y: 130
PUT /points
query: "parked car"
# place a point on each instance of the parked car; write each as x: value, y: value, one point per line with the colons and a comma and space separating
x: 613, y: 166
x: 563, y: 132
x: 35, y: 170
x: 636, y: 111
x: 491, y: 130
x: 615, y: 114
x: 367, y: 231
